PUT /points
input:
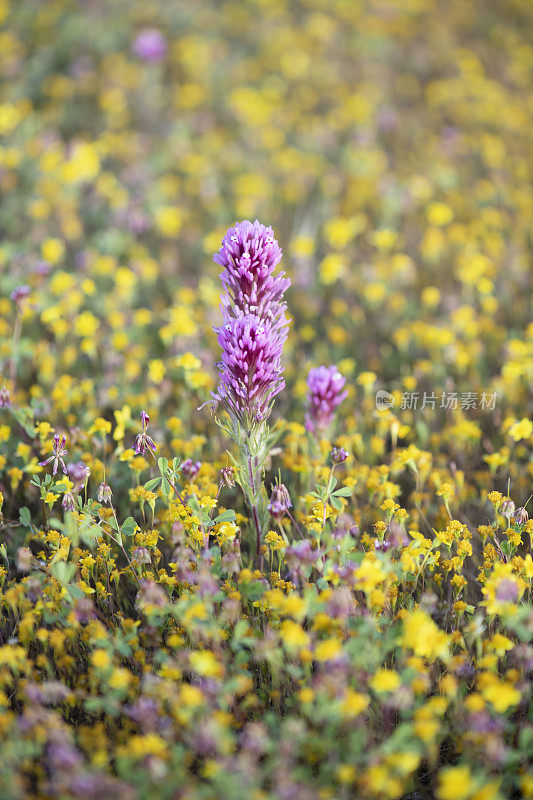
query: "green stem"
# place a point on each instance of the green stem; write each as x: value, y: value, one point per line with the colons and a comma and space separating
x: 255, y: 516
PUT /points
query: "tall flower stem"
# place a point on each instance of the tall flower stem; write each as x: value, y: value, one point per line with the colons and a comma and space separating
x: 251, y: 476
x: 258, y: 530
x: 252, y: 469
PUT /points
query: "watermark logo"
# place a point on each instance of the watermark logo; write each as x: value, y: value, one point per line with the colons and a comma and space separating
x: 384, y: 400
x: 449, y: 401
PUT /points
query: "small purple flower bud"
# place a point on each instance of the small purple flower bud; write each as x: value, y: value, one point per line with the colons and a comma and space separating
x: 5, y: 398
x: 19, y: 294
x: 508, y: 508
x: 189, y: 469
x: 227, y: 477
x: 69, y: 501
x: 280, y: 501
x: 521, y: 517
x: 104, y: 493
x: 383, y: 546
x: 150, y: 45
x: 338, y: 455
x: 325, y: 393
x: 143, y: 441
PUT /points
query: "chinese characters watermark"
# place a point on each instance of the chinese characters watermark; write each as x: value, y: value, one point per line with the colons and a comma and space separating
x: 449, y: 401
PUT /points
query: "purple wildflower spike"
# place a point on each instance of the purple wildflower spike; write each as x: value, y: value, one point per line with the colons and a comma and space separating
x: 325, y: 393
x: 249, y: 255
x: 250, y: 370
x: 251, y: 337
x: 57, y: 455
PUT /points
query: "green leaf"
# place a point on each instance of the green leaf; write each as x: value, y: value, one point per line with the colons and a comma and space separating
x: 25, y: 516
x: 204, y: 518
x: 344, y: 491
x: 162, y: 463
x: 63, y: 572
x: 253, y: 590
x: 89, y: 534
x: 175, y: 463
x: 165, y: 487
x: 128, y: 526
x: 151, y: 485
x: 226, y: 516
x: 194, y: 505
x: 24, y: 417
x: 335, y: 502
x: 332, y: 483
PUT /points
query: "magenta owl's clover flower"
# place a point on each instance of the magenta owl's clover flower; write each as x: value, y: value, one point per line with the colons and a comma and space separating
x: 249, y: 255
x: 250, y: 370
x: 251, y: 338
x: 150, y: 45
x: 255, y: 325
x: 325, y: 387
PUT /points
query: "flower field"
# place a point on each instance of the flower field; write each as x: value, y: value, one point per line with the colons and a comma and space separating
x: 266, y: 370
